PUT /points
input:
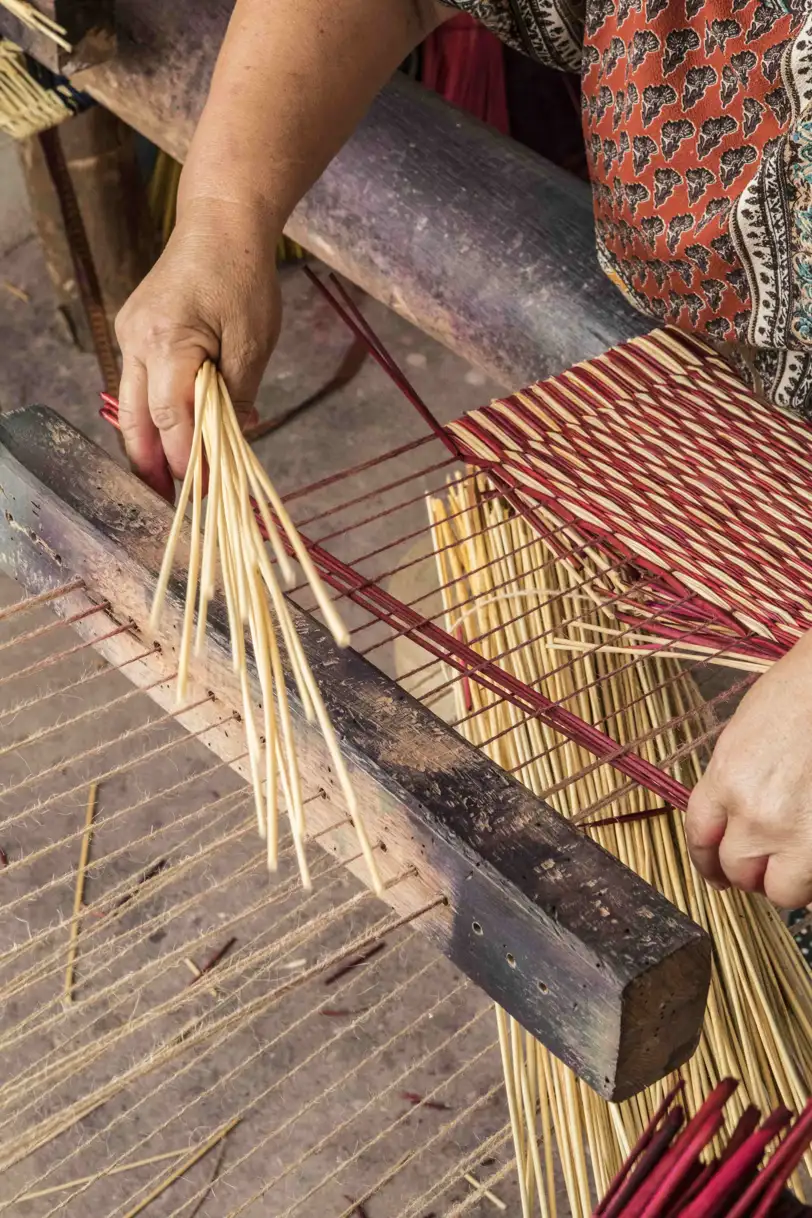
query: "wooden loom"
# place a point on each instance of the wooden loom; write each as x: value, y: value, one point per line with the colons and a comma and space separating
x: 583, y: 954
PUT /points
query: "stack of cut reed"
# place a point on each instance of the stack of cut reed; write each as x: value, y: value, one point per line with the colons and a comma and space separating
x: 27, y: 105
x: 242, y: 512
x: 514, y: 598
x: 675, y: 1171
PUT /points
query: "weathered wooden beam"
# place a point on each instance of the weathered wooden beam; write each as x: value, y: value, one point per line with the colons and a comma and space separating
x: 479, y: 242
x: 89, y: 27
x: 590, y: 959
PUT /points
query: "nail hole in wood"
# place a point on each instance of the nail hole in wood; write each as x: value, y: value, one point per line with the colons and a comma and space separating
x: 511, y: 959
x: 477, y: 928
x: 542, y: 987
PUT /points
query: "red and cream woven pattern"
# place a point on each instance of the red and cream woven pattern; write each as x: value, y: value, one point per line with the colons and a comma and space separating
x: 659, y: 456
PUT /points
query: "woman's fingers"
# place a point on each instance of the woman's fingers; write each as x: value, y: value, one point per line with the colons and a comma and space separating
x: 142, y: 439
x: 742, y: 860
x: 705, y: 825
x: 788, y: 880
x: 171, y: 392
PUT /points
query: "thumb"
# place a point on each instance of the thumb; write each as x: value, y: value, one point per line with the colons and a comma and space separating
x: 705, y: 826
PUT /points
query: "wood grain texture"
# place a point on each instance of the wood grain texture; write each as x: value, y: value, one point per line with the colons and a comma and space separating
x: 482, y: 244
x: 589, y: 958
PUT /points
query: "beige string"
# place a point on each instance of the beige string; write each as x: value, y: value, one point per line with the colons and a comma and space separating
x: 442, y: 1132
x: 190, y: 1038
x: 58, y: 656
x: 243, y: 1016
x: 133, y: 981
x: 117, y: 770
x: 92, y: 712
x: 43, y: 598
x: 384, y: 1132
x: 380, y: 1051
x: 33, y: 636
x: 161, y: 721
x: 31, y: 703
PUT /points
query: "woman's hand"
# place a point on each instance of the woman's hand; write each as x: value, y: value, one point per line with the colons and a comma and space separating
x: 212, y: 295
x: 750, y: 818
x: 292, y: 80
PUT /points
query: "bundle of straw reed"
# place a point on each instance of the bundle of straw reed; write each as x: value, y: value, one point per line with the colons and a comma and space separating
x: 526, y: 606
x: 29, y: 105
x: 242, y: 502
x: 675, y: 1170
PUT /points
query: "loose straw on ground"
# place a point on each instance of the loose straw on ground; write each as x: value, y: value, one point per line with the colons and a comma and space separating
x: 118, y: 1170
x: 79, y: 894
x: 484, y: 1191
x: 241, y: 502
x: 182, y: 1169
x: 758, y: 1026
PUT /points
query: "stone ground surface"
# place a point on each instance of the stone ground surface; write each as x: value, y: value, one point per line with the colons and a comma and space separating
x: 38, y: 365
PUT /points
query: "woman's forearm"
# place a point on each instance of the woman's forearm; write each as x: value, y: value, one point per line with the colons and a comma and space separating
x: 292, y: 80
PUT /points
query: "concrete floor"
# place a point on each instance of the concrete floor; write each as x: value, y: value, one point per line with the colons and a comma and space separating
x: 364, y: 419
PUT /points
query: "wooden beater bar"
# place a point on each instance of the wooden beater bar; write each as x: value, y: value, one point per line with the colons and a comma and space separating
x: 586, y: 956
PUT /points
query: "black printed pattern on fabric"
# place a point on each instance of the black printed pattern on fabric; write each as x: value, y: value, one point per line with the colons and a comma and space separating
x: 698, y: 130
x: 553, y: 30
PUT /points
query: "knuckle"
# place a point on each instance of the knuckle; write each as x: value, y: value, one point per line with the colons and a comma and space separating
x: 131, y: 425
x: 159, y: 334
x: 245, y: 353
x: 703, y: 815
x: 121, y: 325
x: 164, y: 415
x: 145, y: 331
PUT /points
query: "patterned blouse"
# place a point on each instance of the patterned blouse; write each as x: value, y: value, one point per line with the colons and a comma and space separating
x: 698, y: 126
